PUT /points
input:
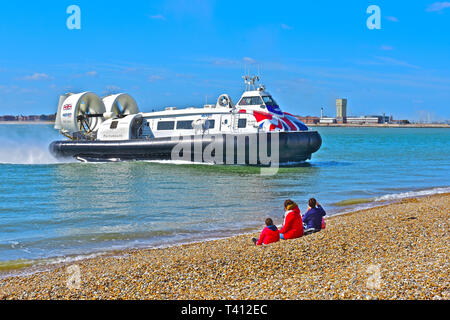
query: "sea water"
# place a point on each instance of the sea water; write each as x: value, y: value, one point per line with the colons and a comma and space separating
x: 52, y: 211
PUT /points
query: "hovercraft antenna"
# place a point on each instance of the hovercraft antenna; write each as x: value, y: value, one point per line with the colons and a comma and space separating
x: 250, y: 82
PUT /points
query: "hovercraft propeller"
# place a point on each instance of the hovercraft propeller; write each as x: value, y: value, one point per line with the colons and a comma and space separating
x: 120, y: 105
x: 79, y: 115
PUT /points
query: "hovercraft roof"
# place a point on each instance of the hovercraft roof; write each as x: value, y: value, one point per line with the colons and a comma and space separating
x: 255, y: 93
x: 260, y: 99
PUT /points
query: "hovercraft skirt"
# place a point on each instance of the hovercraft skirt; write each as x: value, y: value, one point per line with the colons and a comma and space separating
x: 218, y: 148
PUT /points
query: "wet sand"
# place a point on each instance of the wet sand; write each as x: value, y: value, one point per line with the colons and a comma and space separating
x: 396, y: 251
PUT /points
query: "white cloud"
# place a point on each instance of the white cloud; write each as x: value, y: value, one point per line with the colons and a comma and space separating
x: 438, y: 6
x: 248, y: 60
x: 184, y: 75
x: 113, y: 88
x: 222, y: 61
x: 130, y: 70
x: 154, y: 78
x: 387, y: 61
x: 231, y: 62
x: 92, y: 73
x: 395, y: 62
x: 386, y: 48
x: 391, y: 18
x: 37, y: 77
x: 157, y: 17
x: 28, y: 90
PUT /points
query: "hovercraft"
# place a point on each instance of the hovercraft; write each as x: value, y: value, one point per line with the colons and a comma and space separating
x: 255, y: 131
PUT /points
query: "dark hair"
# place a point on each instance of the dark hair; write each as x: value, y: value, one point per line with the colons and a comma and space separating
x: 288, y: 203
x: 269, y: 222
x: 312, y: 203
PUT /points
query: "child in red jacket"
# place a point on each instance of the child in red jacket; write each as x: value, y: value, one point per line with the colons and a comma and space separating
x: 293, y: 224
x: 269, y: 234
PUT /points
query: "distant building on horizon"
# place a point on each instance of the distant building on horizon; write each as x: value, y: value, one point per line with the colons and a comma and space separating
x: 342, y: 117
x: 367, y: 119
x: 309, y: 119
x: 33, y: 118
x: 341, y: 110
x: 327, y: 120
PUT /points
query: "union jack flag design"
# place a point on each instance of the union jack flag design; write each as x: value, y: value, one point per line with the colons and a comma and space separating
x: 272, y: 122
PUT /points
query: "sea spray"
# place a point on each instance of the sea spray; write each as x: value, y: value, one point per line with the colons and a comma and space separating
x: 27, y: 144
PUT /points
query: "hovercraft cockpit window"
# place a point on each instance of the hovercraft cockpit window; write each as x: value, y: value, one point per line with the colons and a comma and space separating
x: 272, y: 106
x: 251, y: 101
x: 269, y: 100
x: 166, y: 125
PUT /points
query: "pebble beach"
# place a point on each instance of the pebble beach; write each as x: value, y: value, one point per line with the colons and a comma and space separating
x: 395, y: 251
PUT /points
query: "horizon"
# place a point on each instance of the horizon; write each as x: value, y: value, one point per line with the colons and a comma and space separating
x: 179, y: 53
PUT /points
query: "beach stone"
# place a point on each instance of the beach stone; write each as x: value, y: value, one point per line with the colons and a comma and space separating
x: 395, y: 251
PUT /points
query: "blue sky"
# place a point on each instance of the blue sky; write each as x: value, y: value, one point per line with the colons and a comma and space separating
x: 180, y: 53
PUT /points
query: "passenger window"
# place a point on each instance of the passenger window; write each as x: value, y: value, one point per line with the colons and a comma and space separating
x: 184, y: 124
x: 242, y: 123
x: 212, y: 124
x: 114, y: 124
x: 166, y: 125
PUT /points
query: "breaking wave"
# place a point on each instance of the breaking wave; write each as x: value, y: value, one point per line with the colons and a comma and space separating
x: 411, y: 194
x: 350, y: 205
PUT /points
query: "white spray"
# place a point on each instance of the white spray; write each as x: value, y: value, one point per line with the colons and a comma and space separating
x: 27, y: 144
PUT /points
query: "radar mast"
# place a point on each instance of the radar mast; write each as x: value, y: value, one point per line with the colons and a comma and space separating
x: 251, y: 83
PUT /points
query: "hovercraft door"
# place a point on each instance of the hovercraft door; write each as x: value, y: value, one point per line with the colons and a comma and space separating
x: 225, y: 123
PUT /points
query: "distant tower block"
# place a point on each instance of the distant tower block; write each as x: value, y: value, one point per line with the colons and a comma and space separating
x: 341, y: 110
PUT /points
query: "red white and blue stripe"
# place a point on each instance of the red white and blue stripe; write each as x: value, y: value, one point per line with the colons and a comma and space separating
x: 274, y: 122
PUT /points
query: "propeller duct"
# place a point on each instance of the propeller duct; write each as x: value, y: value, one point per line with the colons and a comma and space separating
x: 80, y: 112
x: 120, y: 104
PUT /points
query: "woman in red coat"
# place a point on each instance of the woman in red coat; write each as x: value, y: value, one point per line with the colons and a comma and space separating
x: 293, y: 224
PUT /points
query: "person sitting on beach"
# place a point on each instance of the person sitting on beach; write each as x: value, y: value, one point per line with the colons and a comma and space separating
x: 293, y: 224
x: 270, y: 234
x: 313, y: 217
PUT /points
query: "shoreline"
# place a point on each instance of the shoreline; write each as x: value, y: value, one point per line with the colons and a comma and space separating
x: 381, y: 125
x: 21, y: 267
x: 27, y: 122
x: 345, y: 125
x: 113, y: 276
